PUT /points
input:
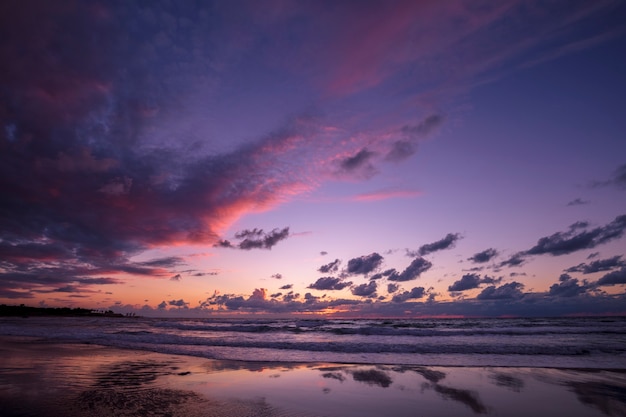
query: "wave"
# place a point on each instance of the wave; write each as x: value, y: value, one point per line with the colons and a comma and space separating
x: 362, y: 341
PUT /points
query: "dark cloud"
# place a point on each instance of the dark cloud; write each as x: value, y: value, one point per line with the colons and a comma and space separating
x: 511, y: 290
x: 364, y: 264
x: 99, y: 152
x: 277, y: 276
x: 249, y: 233
x: 286, y: 287
x: 578, y: 237
x: 613, y: 278
x: 168, y: 262
x: 262, y: 240
x: 471, y: 281
x: 323, y: 253
x: 401, y: 150
x: 618, y: 178
x: 255, y: 239
x: 203, y: 274
x: 178, y: 303
x: 562, y: 243
x: 176, y: 277
x: 598, y: 266
x: 415, y: 269
x: 361, y: 160
x: 568, y: 287
x: 484, y: 256
x: 415, y: 293
x: 329, y: 283
x: 425, y: 127
x: 365, y: 290
x: 386, y: 273
x: 577, y: 202
x: 392, y: 287
x: 445, y: 243
x: 515, y: 260
x: 310, y: 298
x: 330, y: 267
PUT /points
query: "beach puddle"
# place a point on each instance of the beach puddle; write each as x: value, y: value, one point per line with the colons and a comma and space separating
x: 51, y: 379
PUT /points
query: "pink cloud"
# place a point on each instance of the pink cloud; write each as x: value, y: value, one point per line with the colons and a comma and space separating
x: 386, y: 194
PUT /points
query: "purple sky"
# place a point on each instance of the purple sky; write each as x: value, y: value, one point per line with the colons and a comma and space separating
x: 362, y: 158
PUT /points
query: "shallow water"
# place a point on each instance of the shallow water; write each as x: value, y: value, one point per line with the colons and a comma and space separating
x: 39, y: 378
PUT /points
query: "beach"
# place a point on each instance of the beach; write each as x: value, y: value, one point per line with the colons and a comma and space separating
x: 40, y: 377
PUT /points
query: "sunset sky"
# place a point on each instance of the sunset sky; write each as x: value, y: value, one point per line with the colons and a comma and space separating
x: 360, y: 158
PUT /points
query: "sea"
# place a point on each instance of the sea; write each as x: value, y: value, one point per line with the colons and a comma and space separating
x: 573, y: 342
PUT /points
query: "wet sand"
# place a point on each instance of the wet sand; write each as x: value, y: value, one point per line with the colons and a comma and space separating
x: 39, y: 378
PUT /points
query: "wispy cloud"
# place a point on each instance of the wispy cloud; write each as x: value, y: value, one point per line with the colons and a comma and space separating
x: 386, y: 194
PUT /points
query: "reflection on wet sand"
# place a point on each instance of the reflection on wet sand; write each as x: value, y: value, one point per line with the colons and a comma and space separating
x: 463, y: 396
x: 511, y: 382
x: 83, y: 380
x: 372, y: 377
x: 610, y: 399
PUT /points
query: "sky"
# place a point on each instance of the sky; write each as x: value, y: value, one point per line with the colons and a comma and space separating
x: 320, y: 158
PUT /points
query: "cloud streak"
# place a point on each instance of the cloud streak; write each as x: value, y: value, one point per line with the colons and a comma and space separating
x: 447, y: 242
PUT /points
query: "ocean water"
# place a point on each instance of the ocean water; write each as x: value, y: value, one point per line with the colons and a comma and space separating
x: 598, y: 343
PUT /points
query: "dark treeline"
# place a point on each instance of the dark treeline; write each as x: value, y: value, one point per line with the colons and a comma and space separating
x: 26, y: 311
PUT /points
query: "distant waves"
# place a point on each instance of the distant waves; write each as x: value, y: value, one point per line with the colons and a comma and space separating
x: 549, y: 342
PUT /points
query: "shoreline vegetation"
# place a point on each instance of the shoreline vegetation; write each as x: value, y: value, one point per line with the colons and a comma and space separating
x: 27, y: 311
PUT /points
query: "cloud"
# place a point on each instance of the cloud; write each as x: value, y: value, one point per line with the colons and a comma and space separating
x: 484, y: 256
x: 364, y: 264
x: 255, y: 239
x: 358, y: 165
x: 418, y: 266
x: 562, y: 243
x: 404, y: 148
x: 266, y: 241
x: 445, y: 243
x: 365, y: 290
x: 618, y: 178
x: 577, y: 202
x: 568, y: 287
x: 613, y: 278
x: 286, y: 287
x: 167, y: 262
x: 516, y: 259
x: 598, y: 266
x: 178, y: 303
x: 392, y: 287
x: 176, y: 277
x: 329, y: 267
x: 415, y: 293
x: 386, y: 194
x: 277, y: 276
x: 329, y: 283
x: 471, y: 281
x: 512, y: 290
x: 106, y: 149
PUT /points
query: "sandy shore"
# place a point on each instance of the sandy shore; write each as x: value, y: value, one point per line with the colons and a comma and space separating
x: 39, y: 378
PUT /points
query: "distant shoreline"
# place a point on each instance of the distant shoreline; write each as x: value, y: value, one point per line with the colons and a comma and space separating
x: 27, y: 311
